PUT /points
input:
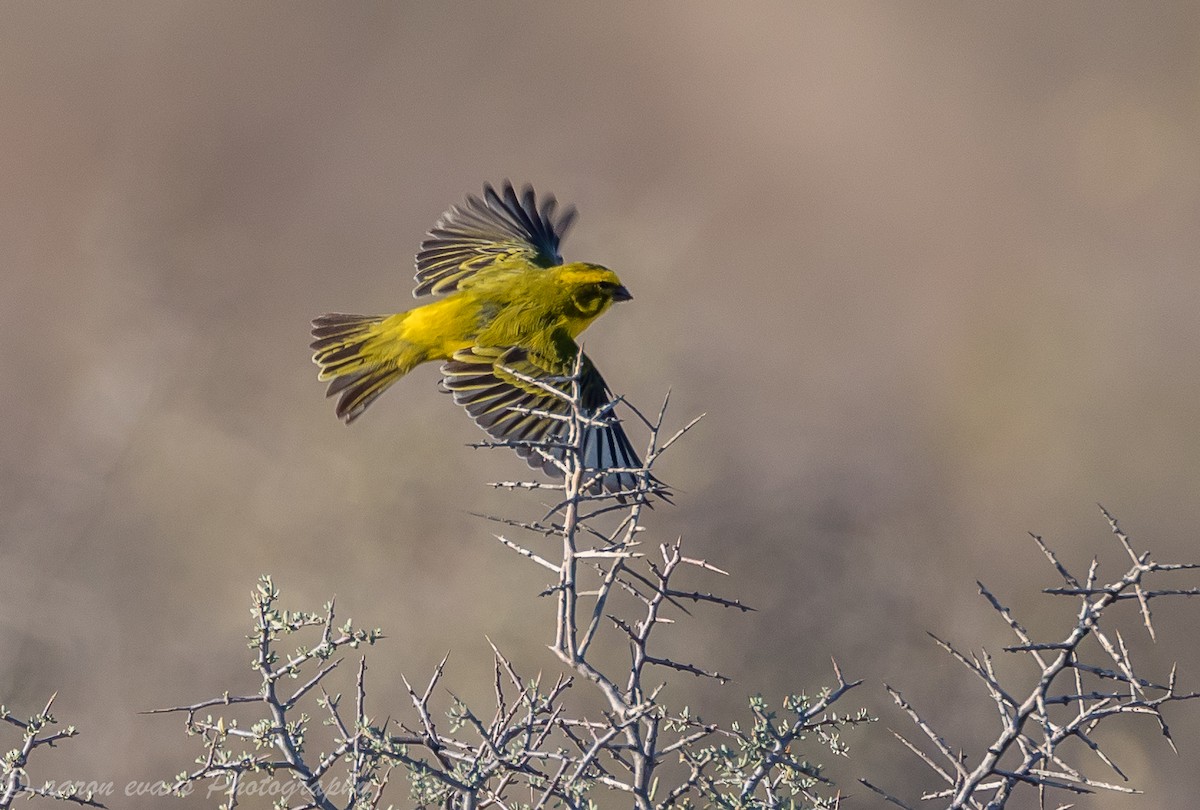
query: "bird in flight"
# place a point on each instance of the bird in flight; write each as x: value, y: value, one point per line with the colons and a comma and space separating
x: 504, y: 328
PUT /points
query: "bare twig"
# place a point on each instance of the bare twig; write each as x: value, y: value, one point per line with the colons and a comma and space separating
x: 1031, y: 746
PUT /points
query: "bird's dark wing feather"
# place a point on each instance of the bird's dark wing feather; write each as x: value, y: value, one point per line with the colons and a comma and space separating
x: 482, y: 231
x: 483, y: 381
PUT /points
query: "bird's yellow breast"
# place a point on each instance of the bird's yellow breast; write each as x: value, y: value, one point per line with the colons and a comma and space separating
x: 509, y: 305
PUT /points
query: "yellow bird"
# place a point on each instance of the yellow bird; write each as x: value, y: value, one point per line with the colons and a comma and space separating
x: 510, y: 305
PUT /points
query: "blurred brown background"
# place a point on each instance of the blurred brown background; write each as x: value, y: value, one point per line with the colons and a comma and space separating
x: 929, y: 268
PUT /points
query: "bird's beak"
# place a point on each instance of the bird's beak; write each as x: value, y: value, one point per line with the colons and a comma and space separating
x: 621, y: 294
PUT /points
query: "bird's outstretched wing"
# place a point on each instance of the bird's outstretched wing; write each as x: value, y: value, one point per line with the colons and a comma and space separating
x: 482, y: 231
x: 500, y: 386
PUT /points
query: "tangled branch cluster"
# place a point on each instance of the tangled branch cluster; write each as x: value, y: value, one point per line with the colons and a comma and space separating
x: 626, y: 751
x: 604, y: 726
x: 1079, y: 681
x: 276, y: 739
x: 535, y: 747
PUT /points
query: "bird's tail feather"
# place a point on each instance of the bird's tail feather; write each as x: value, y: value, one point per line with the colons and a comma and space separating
x: 361, y: 355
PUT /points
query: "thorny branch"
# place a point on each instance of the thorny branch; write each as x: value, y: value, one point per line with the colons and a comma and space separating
x: 1077, y: 686
x: 274, y: 740
x: 35, y: 734
x: 533, y: 748
x: 629, y: 749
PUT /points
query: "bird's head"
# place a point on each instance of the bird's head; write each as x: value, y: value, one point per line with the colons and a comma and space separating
x: 591, y: 289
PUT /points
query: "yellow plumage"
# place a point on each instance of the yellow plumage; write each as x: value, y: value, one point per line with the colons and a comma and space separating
x: 510, y: 305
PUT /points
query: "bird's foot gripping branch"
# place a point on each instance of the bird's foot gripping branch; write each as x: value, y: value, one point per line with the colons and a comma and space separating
x: 603, y: 726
